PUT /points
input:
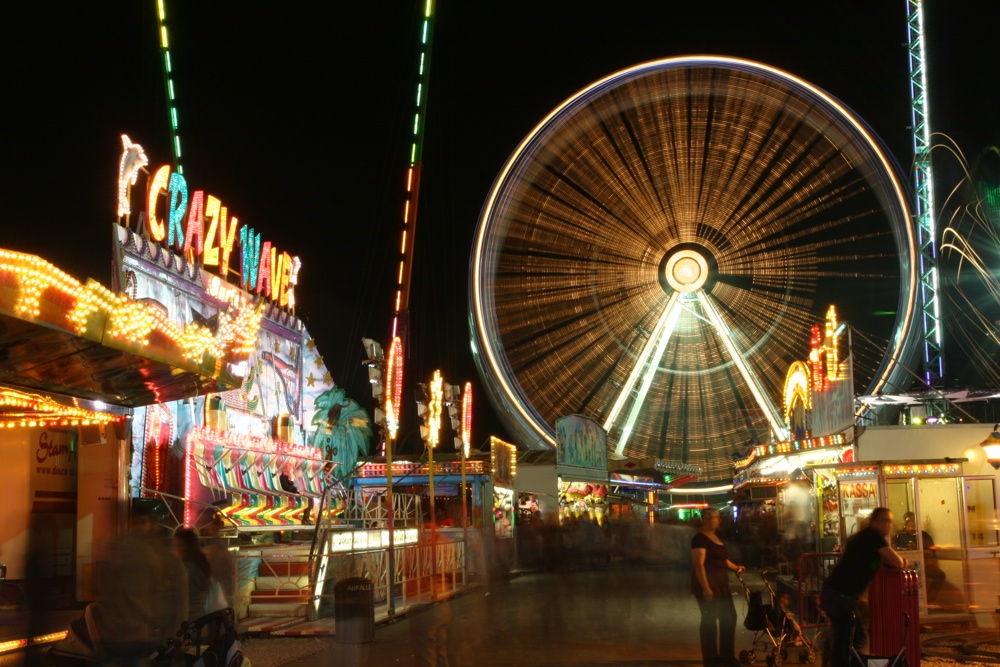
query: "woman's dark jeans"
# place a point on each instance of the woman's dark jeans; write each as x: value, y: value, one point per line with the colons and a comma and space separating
x: 718, y: 631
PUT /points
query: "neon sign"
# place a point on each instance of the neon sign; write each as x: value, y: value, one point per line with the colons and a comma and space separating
x: 200, y: 226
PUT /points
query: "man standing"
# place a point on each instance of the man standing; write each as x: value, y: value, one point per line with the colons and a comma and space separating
x: 866, y: 551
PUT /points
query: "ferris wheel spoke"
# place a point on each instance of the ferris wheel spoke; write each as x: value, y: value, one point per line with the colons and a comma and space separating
x: 763, y: 400
x: 646, y: 366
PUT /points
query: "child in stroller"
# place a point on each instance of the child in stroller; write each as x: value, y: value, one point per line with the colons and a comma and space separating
x: 775, y: 629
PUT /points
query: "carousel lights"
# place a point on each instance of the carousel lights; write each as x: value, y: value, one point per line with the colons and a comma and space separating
x: 868, y: 471
x: 711, y: 489
x: 495, y: 444
x: 253, y: 443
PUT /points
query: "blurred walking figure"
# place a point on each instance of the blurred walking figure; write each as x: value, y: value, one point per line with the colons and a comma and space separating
x: 127, y: 592
x: 710, y: 585
x: 199, y: 572
x: 222, y: 563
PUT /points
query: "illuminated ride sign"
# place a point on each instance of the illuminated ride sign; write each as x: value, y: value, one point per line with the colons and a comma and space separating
x: 202, y: 228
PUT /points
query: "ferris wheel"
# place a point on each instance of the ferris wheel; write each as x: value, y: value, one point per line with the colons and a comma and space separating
x: 654, y: 252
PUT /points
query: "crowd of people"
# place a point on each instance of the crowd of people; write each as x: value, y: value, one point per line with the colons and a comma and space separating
x: 583, y: 543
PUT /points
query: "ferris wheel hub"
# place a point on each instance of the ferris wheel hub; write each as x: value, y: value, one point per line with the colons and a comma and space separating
x: 686, y: 270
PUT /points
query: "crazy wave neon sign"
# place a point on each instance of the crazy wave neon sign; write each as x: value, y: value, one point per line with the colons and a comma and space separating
x: 199, y: 226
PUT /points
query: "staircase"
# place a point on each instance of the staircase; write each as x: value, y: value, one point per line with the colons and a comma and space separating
x: 281, y: 587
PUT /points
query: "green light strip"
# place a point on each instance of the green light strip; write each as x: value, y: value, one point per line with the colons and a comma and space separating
x: 161, y: 15
x: 412, y: 194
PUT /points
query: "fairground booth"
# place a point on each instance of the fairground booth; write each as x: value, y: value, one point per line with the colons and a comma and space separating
x: 255, y: 449
x: 581, y: 468
x: 80, y: 364
x: 189, y: 386
x: 484, y: 482
x: 818, y: 490
x: 782, y: 491
x: 638, y: 485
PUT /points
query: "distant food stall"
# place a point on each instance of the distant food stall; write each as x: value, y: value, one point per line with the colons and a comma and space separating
x: 582, y: 468
x: 786, y: 504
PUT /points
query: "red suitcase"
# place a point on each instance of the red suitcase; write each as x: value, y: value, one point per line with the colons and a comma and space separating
x: 893, y: 595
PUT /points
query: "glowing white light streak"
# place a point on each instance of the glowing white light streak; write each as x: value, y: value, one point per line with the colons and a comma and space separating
x: 772, y: 414
x: 708, y: 489
x: 671, y: 314
x: 640, y: 363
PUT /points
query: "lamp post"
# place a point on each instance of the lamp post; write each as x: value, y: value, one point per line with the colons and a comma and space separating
x: 991, y: 445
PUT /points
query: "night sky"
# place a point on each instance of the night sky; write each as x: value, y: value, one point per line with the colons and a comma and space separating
x: 297, y: 115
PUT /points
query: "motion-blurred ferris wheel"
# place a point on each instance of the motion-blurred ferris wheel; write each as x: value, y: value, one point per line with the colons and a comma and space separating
x: 655, y: 251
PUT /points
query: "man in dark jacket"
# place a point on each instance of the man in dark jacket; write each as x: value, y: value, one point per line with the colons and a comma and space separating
x: 866, y: 552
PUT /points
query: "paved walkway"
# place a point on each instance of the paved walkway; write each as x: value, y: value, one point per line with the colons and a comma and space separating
x: 624, y: 616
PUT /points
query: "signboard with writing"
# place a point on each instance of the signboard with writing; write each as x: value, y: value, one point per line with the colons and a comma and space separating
x: 582, y: 443
x: 200, y: 228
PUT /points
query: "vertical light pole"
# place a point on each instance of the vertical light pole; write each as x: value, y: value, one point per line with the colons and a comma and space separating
x: 393, y: 397
x: 433, y: 436
x: 466, y: 439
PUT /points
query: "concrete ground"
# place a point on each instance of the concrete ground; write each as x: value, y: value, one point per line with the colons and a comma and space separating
x: 623, y: 616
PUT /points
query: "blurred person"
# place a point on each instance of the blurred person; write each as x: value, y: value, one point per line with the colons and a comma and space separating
x: 430, y: 634
x: 127, y: 592
x: 171, y: 590
x: 906, y: 540
x: 710, y: 585
x: 221, y: 561
x: 430, y: 628
x: 288, y: 485
x: 866, y: 551
x: 442, y: 519
x: 197, y: 568
x: 792, y: 627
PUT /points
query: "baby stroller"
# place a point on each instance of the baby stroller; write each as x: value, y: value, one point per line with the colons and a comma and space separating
x: 208, y: 641
x: 775, y: 633
x: 82, y: 644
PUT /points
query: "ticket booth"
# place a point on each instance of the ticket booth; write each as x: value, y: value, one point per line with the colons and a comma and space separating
x: 945, y: 525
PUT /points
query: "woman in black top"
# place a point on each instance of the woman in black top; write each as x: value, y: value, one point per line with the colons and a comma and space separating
x: 710, y: 585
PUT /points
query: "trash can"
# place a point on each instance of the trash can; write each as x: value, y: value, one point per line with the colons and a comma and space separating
x: 354, y: 610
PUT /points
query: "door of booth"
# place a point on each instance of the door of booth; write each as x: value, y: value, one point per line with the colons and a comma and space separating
x: 947, y: 527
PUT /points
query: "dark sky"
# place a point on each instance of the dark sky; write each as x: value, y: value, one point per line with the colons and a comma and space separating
x: 297, y: 115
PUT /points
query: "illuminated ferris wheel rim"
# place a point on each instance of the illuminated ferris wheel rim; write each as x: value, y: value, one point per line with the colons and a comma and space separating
x: 692, y: 274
